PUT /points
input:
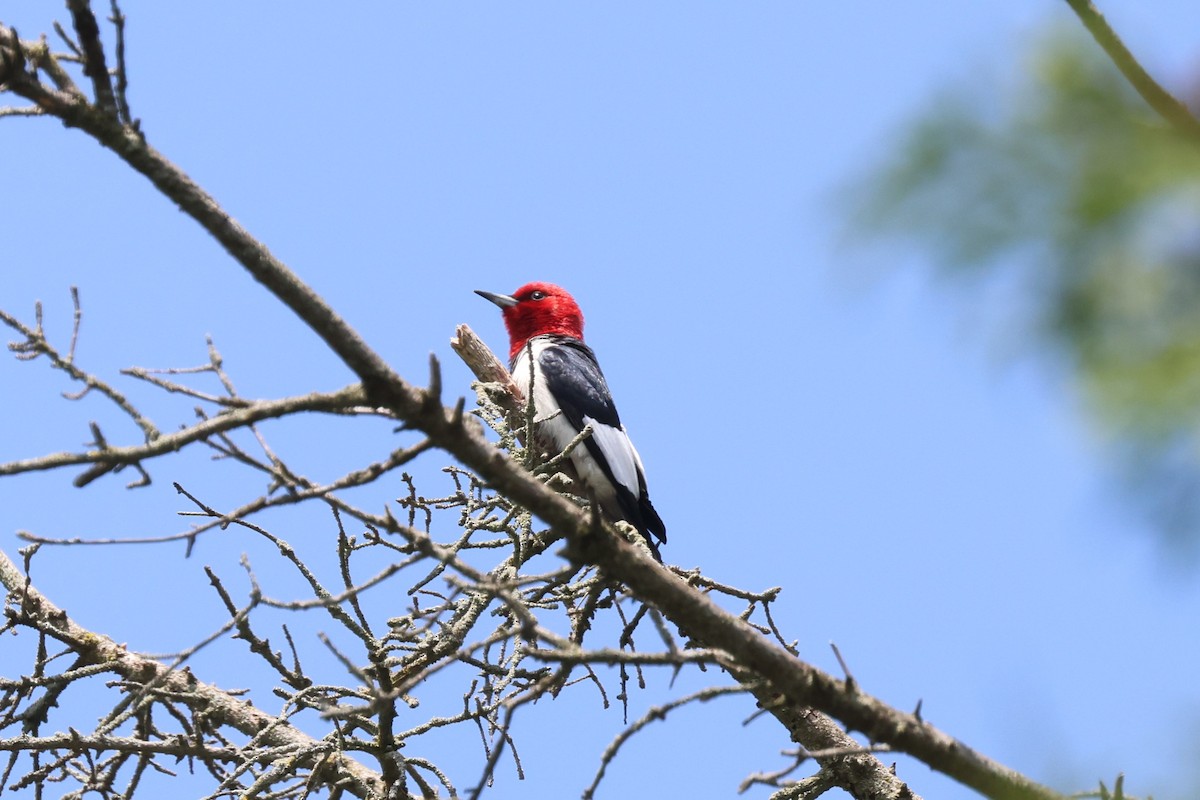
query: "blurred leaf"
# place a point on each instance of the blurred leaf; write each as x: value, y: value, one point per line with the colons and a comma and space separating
x: 1067, y: 181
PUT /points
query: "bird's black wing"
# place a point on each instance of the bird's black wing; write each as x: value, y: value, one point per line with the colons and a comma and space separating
x: 574, y: 378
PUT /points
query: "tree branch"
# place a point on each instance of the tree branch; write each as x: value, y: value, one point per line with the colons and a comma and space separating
x: 801, y: 684
x: 1159, y: 99
x: 108, y: 458
x: 97, y: 649
x: 95, y: 66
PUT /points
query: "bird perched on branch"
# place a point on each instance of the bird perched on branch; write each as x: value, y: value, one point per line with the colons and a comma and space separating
x: 569, y: 393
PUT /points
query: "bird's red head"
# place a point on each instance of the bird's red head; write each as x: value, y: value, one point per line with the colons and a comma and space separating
x: 537, y: 309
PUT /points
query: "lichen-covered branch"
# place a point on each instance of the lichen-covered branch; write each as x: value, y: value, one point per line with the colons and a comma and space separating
x: 29, y: 608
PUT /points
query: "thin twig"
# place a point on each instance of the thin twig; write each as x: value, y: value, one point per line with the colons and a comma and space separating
x: 122, y: 87
x: 167, y: 443
x: 1162, y: 101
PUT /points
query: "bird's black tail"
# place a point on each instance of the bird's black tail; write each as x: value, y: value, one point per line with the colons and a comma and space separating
x: 651, y: 526
x: 639, y: 512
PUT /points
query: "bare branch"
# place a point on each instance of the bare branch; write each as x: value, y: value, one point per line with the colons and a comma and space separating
x: 111, y: 457
x: 36, y: 344
x: 95, y: 65
x: 655, y: 714
x: 93, y: 648
x: 74, y: 741
x: 122, y: 74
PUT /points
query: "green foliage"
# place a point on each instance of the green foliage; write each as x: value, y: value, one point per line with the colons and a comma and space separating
x: 1068, y: 183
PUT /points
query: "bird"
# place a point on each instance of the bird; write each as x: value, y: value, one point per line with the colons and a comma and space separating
x: 569, y: 393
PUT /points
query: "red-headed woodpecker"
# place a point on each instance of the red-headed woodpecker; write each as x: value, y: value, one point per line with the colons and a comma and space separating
x: 569, y: 393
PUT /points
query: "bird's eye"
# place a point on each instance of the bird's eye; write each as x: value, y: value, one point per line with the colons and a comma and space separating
x: 537, y: 295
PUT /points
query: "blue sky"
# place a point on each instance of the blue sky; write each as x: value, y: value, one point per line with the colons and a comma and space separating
x: 811, y: 415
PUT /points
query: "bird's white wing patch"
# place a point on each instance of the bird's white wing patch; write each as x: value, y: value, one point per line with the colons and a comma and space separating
x: 619, y: 453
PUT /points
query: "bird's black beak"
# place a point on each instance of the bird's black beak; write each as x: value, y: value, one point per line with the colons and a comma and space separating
x: 502, y: 300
